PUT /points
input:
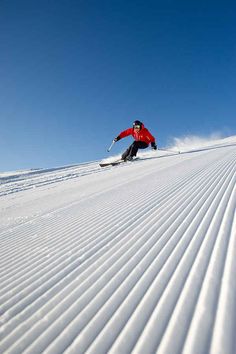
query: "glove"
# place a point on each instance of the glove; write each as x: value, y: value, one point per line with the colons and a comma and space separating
x: 154, y: 146
x: 116, y: 139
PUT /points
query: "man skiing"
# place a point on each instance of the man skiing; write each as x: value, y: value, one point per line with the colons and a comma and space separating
x: 142, y: 140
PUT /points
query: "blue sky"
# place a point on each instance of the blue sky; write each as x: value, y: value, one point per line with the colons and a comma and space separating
x: 74, y: 73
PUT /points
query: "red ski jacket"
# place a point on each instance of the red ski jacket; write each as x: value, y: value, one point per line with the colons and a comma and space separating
x: 142, y: 135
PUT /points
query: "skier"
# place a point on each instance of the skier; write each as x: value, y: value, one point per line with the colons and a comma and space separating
x: 142, y: 140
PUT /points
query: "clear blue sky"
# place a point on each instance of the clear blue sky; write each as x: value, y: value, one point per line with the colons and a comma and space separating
x: 74, y: 73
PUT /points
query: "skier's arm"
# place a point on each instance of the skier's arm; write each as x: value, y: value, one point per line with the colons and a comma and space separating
x: 150, y: 137
x: 152, y: 140
x: 123, y: 134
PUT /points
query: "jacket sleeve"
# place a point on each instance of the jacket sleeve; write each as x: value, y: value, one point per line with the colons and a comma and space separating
x: 125, y: 133
x: 150, y: 136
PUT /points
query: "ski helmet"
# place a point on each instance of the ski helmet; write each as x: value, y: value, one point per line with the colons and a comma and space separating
x: 138, y: 123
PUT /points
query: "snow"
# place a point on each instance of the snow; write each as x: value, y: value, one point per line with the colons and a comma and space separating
x: 139, y: 257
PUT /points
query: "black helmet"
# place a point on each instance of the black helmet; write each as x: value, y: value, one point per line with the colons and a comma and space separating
x: 137, y: 123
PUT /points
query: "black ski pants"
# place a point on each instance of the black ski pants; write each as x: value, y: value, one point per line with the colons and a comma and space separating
x: 133, y: 149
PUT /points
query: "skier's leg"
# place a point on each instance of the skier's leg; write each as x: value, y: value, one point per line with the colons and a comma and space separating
x: 126, y: 153
x: 137, y: 145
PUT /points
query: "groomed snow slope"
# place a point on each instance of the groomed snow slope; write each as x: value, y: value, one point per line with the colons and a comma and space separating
x: 137, y: 258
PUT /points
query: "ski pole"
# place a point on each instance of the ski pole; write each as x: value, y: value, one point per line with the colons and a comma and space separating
x: 113, y: 142
x: 168, y: 150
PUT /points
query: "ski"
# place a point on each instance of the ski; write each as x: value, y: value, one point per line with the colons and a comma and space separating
x: 114, y: 163
x: 118, y: 162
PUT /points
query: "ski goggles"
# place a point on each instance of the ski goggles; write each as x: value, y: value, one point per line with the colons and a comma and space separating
x: 137, y: 127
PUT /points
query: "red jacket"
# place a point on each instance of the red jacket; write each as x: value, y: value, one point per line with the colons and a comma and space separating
x: 142, y: 135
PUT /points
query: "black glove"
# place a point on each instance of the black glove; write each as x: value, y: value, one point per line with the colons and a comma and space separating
x: 154, y: 146
x: 116, y: 139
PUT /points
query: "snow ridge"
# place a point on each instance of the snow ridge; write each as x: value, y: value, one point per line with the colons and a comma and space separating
x: 136, y: 258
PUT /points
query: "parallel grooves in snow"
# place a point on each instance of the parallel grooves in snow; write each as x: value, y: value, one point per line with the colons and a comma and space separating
x: 44, y: 268
x: 120, y: 271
